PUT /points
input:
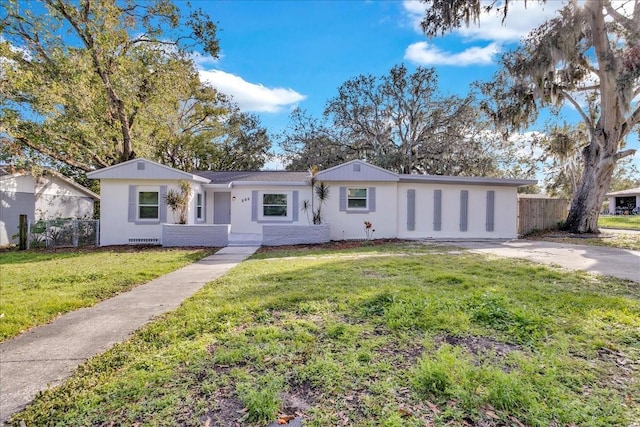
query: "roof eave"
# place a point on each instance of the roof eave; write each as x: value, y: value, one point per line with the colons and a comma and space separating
x: 442, y: 179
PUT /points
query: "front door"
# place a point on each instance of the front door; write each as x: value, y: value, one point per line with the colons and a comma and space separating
x: 222, y: 208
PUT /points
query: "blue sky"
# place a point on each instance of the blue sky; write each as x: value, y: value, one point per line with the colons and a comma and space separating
x: 278, y: 55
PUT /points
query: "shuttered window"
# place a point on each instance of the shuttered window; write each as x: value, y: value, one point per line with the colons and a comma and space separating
x: 274, y: 204
x: 147, y: 203
x: 199, y: 206
x: 357, y: 199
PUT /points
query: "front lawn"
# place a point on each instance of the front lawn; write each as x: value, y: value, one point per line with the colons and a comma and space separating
x: 38, y: 286
x: 394, y: 335
x: 631, y: 222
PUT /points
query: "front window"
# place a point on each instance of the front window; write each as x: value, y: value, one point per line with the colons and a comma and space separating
x: 148, y: 205
x: 199, y: 206
x: 357, y: 198
x: 274, y: 205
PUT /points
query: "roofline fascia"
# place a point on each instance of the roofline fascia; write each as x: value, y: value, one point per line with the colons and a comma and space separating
x: 190, y: 176
x: 441, y: 179
x: 215, y: 186
x: 267, y: 184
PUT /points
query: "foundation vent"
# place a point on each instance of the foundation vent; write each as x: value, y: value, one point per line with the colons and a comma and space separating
x: 144, y: 241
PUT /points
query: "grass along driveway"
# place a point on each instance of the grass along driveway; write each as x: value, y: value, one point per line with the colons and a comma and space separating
x: 394, y: 335
x: 631, y: 222
x: 38, y: 286
x: 622, y: 239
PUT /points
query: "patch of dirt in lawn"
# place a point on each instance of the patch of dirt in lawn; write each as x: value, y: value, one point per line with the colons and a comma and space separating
x: 403, y: 355
x: 298, y: 399
x: 228, y: 411
x: 626, y: 370
x: 481, y: 347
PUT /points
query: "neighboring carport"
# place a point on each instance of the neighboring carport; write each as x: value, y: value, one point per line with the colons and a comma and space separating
x: 624, y: 202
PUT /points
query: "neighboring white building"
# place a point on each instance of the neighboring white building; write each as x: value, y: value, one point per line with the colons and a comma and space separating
x: 267, y: 205
x: 624, y: 202
x: 46, y: 196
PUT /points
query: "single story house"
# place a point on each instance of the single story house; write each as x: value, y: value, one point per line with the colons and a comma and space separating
x: 266, y: 207
x: 624, y: 202
x: 44, y: 196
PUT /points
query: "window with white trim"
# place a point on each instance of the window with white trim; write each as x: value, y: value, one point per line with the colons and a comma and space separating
x: 199, y: 207
x: 356, y: 198
x: 148, y: 205
x: 274, y: 205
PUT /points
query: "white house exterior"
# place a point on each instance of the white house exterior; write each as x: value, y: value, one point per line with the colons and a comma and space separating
x: 624, y: 202
x: 267, y: 205
x: 46, y: 196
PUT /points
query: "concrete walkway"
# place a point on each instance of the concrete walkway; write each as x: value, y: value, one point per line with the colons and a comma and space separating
x: 620, y: 263
x: 45, y: 356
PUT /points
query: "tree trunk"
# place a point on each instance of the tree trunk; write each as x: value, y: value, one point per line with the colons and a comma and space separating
x: 592, y: 190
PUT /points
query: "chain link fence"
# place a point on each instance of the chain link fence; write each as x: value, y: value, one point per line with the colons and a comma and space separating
x: 63, y: 232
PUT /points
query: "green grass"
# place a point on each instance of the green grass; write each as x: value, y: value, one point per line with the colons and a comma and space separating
x: 608, y: 239
x: 386, y: 336
x: 38, y: 286
x: 620, y: 221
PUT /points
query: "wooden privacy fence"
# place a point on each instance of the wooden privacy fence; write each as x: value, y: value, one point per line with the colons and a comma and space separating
x: 536, y: 214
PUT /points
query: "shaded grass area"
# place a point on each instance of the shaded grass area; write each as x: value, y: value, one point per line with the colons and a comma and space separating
x: 631, y: 222
x: 386, y: 336
x: 38, y: 286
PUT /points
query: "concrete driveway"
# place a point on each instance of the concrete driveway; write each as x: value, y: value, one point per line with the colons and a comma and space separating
x: 620, y: 263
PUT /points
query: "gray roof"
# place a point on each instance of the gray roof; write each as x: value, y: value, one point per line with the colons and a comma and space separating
x: 218, y: 177
x: 628, y: 192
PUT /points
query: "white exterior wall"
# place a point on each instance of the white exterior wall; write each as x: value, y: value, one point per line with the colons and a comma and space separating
x: 56, y: 199
x: 505, y: 212
x: 16, y: 198
x: 241, y: 207
x: 46, y: 197
x: 350, y: 224
x: 17, y: 184
x: 115, y: 228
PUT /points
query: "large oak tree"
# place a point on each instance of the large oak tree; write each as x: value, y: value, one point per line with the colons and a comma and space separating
x: 587, y: 57
x: 92, y: 83
x: 399, y: 121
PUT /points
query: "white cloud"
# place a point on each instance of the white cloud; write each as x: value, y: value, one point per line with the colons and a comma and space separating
x: 205, y: 61
x: 424, y: 53
x: 519, y: 22
x: 251, y: 96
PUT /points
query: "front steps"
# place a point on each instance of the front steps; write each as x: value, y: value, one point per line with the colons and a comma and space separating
x: 245, y: 239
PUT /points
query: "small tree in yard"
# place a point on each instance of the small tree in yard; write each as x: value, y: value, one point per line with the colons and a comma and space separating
x: 587, y: 57
x: 319, y: 190
x: 178, y: 200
